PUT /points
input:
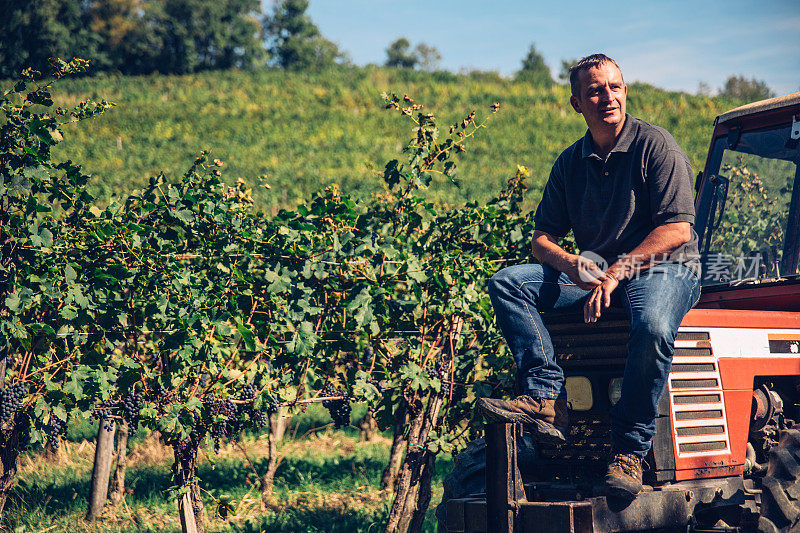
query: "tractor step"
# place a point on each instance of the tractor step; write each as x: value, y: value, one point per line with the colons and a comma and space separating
x: 650, y: 510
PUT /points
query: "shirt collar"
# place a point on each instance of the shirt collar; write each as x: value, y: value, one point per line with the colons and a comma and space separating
x: 623, y: 143
x: 625, y: 136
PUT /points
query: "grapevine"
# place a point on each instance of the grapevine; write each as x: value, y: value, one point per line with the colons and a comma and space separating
x: 315, y: 279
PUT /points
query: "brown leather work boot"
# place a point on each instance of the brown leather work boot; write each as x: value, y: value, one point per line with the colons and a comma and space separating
x: 624, y: 475
x: 546, y: 418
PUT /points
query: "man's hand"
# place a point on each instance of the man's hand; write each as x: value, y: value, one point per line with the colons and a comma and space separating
x: 584, y: 273
x: 581, y: 271
x: 599, y: 298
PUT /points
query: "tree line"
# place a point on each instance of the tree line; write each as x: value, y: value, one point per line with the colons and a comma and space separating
x: 186, y: 36
x: 164, y: 36
x: 178, y: 37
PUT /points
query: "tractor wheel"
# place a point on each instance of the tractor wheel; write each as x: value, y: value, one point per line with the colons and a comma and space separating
x: 468, y: 477
x: 780, y: 494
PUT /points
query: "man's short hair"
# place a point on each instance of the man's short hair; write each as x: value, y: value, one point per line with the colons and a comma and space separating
x: 594, y: 60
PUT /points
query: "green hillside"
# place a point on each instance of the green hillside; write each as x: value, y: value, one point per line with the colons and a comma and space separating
x: 308, y: 130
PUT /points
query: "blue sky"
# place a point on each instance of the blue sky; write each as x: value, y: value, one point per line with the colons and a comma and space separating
x: 674, y: 44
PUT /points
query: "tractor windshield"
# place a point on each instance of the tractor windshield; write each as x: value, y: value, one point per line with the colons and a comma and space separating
x: 749, y: 235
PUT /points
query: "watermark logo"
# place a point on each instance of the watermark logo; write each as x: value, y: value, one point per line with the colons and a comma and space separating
x: 726, y: 268
x: 716, y: 267
x: 591, y: 266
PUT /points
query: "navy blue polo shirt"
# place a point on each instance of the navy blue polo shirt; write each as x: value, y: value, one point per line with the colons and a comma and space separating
x: 612, y: 204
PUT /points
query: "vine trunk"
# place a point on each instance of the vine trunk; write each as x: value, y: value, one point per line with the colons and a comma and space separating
x: 121, y: 460
x: 184, y: 472
x: 9, y: 452
x: 368, y: 427
x: 399, y: 443
x: 413, y: 488
x: 276, y: 429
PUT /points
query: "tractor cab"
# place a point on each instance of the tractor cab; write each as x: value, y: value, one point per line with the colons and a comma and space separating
x: 748, y: 208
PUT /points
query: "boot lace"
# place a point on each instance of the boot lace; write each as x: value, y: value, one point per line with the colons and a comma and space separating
x: 629, y: 463
x: 538, y: 402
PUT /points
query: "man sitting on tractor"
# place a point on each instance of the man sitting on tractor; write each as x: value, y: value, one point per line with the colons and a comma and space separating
x: 625, y: 190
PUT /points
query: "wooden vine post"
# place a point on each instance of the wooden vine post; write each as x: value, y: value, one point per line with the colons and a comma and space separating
x: 103, y: 452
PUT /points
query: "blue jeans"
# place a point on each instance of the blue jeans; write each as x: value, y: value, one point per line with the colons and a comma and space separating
x: 656, y: 303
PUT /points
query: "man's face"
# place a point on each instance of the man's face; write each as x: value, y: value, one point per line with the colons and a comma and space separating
x: 602, y: 97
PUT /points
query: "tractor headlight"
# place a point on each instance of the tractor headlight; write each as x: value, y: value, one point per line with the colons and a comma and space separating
x: 615, y: 390
x: 579, y: 393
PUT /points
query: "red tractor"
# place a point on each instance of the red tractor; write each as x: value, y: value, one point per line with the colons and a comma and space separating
x: 726, y: 454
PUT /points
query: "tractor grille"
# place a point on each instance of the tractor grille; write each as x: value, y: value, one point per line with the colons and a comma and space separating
x: 697, y: 403
x: 579, y: 345
x: 598, y: 351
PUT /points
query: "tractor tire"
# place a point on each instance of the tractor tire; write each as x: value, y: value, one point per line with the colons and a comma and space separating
x: 468, y: 477
x: 780, y: 488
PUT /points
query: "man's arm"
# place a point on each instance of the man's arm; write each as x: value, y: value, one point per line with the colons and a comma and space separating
x: 581, y: 271
x: 656, y: 247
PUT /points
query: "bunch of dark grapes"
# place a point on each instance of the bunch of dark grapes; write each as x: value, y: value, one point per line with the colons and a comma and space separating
x: 259, y: 419
x: 230, y: 411
x: 131, y: 405
x: 248, y: 392
x: 272, y: 406
x: 225, y: 427
x: 439, y: 371
x: 10, y: 400
x: 56, y: 429
x: 200, y: 428
x: 217, y: 433
x: 339, y: 408
x: 159, y: 395
x: 210, y: 407
x: 231, y: 417
x: 102, y: 413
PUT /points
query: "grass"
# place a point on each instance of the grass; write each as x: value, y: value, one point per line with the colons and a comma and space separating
x: 304, y: 131
x: 327, y: 482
